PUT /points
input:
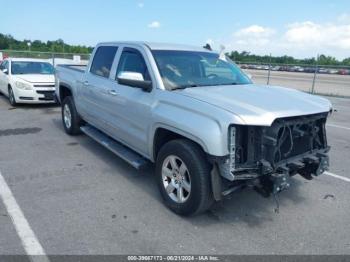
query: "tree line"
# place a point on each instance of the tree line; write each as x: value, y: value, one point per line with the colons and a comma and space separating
x: 247, y: 57
x: 7, y: 42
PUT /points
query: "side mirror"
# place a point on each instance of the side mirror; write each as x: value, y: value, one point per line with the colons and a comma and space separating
x: 134, y: 79
x: 5, y: 71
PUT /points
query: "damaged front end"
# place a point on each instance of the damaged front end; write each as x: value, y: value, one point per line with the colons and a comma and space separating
x: 266, y: 157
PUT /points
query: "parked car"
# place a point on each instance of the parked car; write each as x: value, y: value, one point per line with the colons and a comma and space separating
x: 275, y: 68
x: 322, y: 70
x: 27, y: 81
x: 344, y: 72
x: 208, y: 129
x: 332, y: 71
x: 309, y: 70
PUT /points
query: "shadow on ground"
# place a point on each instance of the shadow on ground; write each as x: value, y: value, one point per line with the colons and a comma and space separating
x: 242, y: 206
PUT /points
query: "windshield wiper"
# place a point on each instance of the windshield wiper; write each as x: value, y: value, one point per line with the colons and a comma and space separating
x: 194, y: 85
x: 184, y: 87
x: 228, y: 84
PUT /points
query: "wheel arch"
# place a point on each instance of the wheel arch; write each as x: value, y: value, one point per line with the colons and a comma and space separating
x: 64, y: 91
x: 165, y: 134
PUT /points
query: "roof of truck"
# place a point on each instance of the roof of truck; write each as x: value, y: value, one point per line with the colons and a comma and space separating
x: 160, y: 46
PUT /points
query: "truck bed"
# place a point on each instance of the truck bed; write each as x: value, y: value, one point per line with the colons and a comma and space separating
x: 80, y: 68
x: 68, y: 75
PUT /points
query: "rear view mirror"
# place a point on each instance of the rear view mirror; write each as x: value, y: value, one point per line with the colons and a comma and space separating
x: 5, y: 71
x: 134, y: 79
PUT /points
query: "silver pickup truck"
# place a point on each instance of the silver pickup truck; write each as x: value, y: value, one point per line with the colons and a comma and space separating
x: 200, y: 119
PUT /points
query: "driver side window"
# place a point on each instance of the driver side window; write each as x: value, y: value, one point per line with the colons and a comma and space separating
x: 131, y: 60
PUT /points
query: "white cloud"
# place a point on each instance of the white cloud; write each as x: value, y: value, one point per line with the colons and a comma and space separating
x: 154, y: 24
x: 140, y: 5
x: 303, y: 33
x: 344, y: 18
x: 300, y: 39
x: 311, y: 35
x: 255, y: 31
x: 254, y: 34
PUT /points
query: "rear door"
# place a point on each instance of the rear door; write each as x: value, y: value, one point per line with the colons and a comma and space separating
x: 95, y: 86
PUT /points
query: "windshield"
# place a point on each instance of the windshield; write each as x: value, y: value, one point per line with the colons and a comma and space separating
x: 25, y: 68
x: 182, y: 69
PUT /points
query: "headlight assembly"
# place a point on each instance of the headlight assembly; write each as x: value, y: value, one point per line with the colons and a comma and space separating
x: 23, y: 86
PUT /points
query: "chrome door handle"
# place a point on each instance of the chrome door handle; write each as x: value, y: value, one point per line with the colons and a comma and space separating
x: 112, y: 92
x: 86, y: 83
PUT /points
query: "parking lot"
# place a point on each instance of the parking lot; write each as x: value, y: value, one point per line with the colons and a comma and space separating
x: 326, y: 84
x: 79, y: 198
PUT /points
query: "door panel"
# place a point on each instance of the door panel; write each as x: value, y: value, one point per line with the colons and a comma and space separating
x: 130, y: 108
x: 129, y: 113
x: 95, y: 85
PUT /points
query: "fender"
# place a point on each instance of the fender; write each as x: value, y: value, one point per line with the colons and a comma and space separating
x: 200, y: 127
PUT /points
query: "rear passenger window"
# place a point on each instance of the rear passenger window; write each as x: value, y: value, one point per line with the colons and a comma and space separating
x: 132, y: 60
x: 103, y: 60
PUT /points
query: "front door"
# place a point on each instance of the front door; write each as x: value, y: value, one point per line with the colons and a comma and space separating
x: 129, y: 108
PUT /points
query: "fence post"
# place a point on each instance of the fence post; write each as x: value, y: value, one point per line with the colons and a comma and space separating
x: 315, y: 74
x: 269, y: 73
x: 53, y: 59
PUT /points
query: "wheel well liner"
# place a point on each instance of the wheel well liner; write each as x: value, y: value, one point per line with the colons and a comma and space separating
x: 64, y: 92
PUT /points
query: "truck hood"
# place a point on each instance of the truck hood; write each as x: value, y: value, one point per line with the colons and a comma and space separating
x: 258, y: 104
x: 37, y: 78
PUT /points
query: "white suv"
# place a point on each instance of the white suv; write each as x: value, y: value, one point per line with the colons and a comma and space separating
x: 27, y: 81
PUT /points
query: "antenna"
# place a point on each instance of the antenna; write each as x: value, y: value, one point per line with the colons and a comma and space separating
x: 208, y: 47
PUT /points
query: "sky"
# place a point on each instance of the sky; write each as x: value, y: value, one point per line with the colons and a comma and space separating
x: 300, y: 28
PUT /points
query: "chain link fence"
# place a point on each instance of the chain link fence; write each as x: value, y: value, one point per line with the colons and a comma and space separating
x: 53, y: 58
x: 316, y: 79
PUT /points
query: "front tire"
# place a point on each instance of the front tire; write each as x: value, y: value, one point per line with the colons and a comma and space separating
x: 183, y: 177
x: 12, y: 98
x: 70, y: 117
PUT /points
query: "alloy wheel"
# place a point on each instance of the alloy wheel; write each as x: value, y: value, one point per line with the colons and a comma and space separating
x: 176, y: 179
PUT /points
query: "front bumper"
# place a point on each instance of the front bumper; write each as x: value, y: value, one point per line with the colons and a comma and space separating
x: 35, y: 95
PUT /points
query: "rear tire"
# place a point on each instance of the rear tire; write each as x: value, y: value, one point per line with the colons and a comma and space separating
x: 183, y: 177
x: 70, y: 117
x: 12, y: 98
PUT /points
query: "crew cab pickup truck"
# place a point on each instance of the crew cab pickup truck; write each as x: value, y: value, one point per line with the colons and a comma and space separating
x: 200, y: 119
x: 27, y: 81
